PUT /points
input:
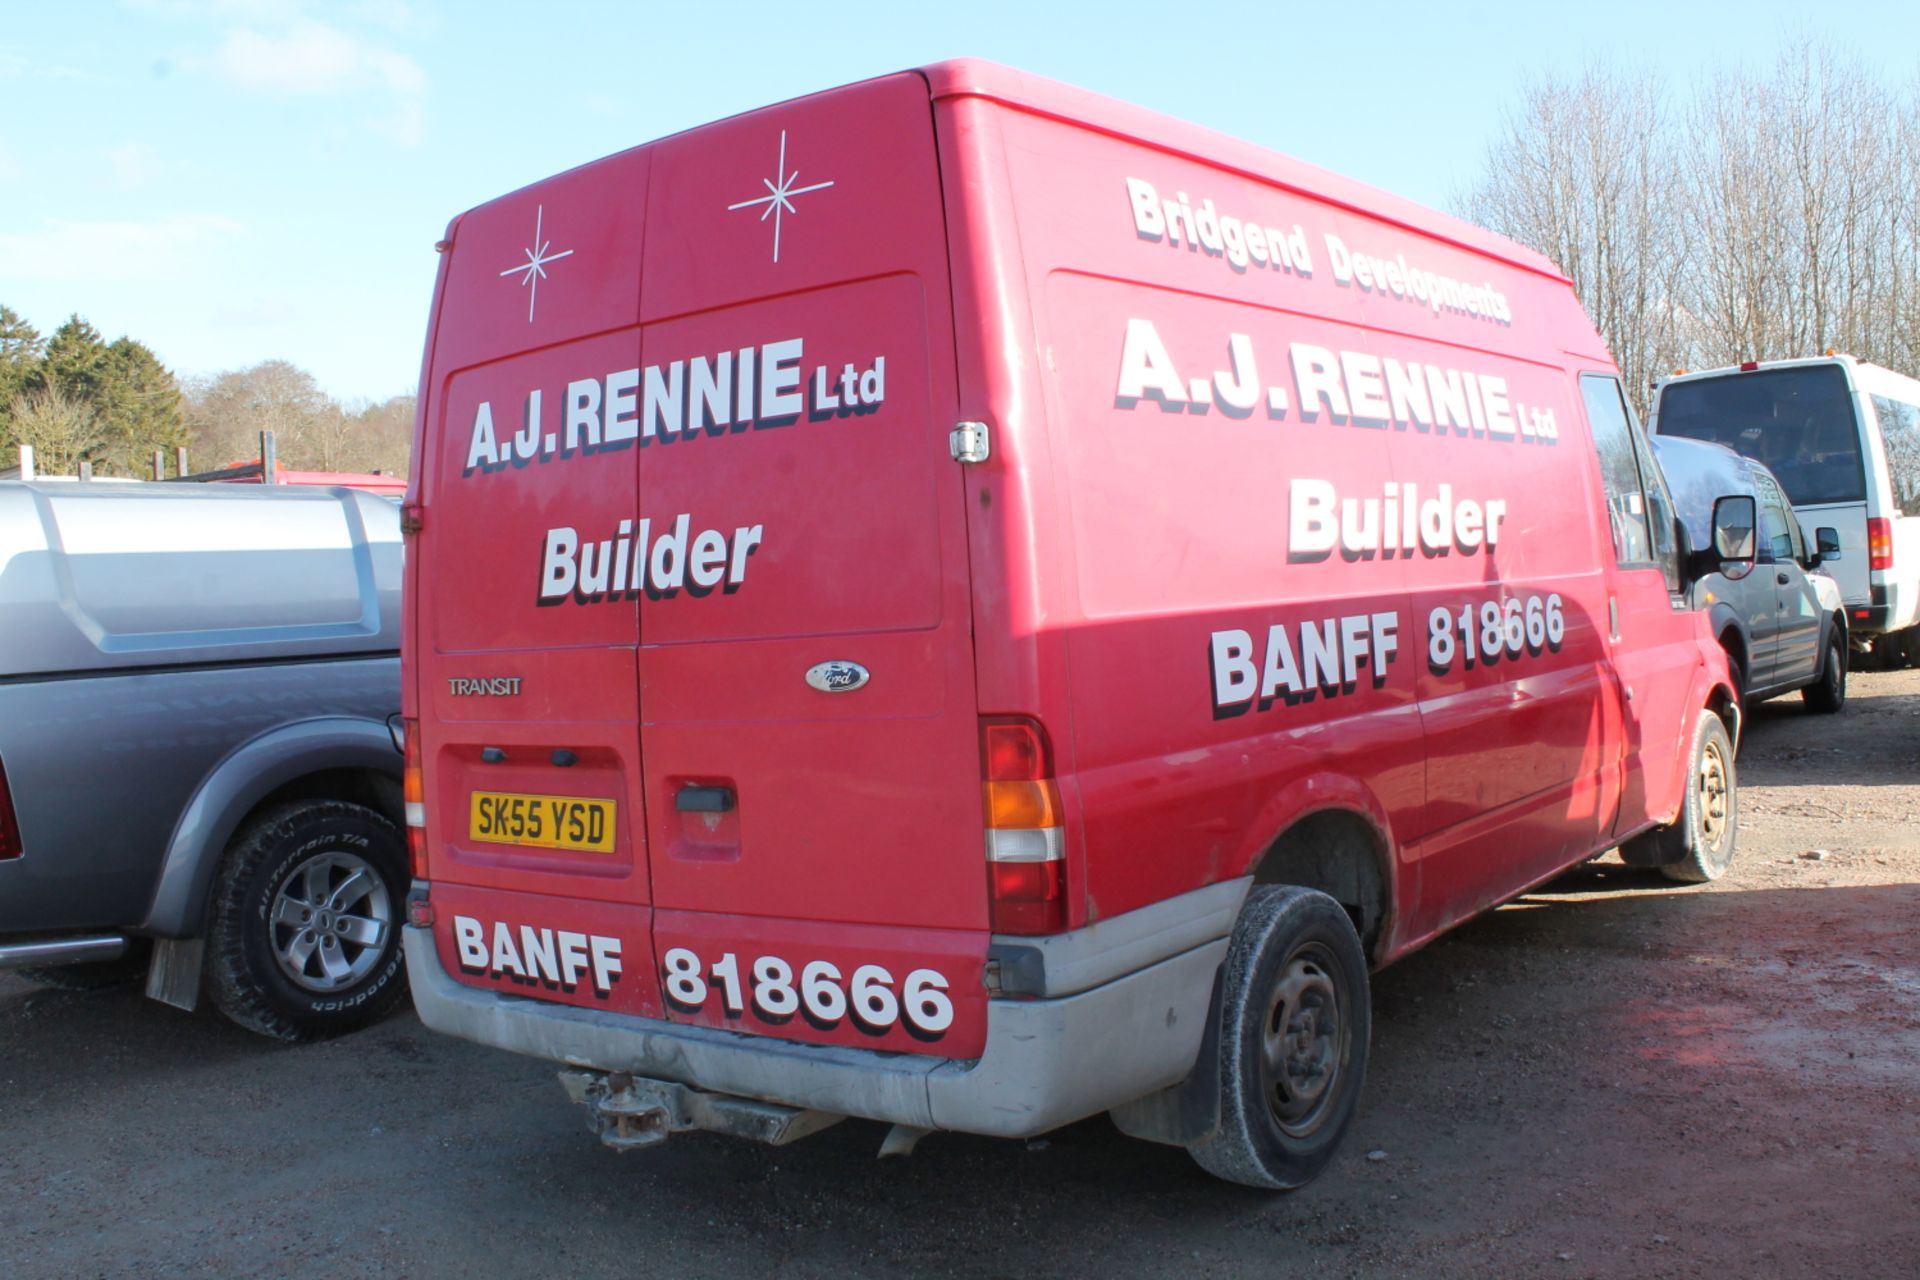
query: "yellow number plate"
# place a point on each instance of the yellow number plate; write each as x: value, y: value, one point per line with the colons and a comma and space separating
x: 549, y: 822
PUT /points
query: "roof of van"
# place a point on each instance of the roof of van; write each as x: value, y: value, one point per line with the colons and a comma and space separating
x: 1024, y: 91
x: 973, y: 77
x: 1690, y: 375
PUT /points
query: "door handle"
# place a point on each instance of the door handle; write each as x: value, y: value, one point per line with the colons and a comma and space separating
x: 704, y: 799
x: 1782, y: 579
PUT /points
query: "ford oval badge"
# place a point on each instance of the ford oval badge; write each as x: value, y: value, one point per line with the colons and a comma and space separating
x: 837, y: 677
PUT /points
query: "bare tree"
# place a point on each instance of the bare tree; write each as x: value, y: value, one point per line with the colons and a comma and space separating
x: 312, y: 431
x: 1801, y: 202
x: 63, y: 430
x: 1774, y: 216
x: 1580, y: 172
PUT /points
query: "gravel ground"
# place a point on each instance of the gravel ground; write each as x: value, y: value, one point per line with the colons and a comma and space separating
x: 1610, y: 1077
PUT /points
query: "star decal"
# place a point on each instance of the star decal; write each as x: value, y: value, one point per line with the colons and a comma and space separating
x: 534, y: 269
x: 780, y: 194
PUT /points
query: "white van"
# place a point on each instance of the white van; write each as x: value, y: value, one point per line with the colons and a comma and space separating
x: 1843, y: 436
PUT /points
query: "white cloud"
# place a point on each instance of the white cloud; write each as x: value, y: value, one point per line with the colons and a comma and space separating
x: 312, y: 57
x: 134, y: 165
x: 117, y: 250
x: 315, y: 59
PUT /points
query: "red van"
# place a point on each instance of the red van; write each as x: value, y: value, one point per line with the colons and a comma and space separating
x: 960, y: 602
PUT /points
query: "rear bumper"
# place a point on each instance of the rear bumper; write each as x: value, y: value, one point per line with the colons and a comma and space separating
x: 1882, y: 613
x: 1048, y: 1062
x: 1864, y: 621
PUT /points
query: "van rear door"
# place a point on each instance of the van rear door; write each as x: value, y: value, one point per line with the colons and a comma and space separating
x: 808, y: 717
x: 528, y: 694
x: 1803, y: 422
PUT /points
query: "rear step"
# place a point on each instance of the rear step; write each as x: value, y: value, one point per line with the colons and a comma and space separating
x: 51, y: 952
x: 629, y: 1112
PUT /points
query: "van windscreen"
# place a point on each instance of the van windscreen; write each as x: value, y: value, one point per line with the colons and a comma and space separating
x: 1801, y: 423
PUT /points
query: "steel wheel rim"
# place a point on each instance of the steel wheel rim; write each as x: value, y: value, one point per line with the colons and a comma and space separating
x: 1715, y: 795
x: 1303, y: 1042
x: 330, y: 922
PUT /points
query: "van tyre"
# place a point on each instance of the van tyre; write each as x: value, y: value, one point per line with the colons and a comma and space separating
x: 305, y: 938
x: 1699, y: 847
x: 1828, y: 694
x: 1294, y: 1027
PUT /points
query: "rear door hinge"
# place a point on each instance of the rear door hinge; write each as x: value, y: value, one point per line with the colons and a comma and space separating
x: 968, y: 442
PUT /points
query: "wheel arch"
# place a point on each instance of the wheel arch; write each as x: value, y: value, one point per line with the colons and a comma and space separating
x: 1731, y: 630
x: 1335, y: 838
x: 332, y: 757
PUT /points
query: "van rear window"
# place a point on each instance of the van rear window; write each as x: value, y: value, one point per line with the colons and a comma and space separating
x: 1801, y: 423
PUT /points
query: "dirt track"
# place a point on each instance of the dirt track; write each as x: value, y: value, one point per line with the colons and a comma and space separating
x: 1611, y: 1077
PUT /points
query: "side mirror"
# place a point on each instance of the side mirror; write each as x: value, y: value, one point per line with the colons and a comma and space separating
x: 1735, y: 518
x: 1826, y: 545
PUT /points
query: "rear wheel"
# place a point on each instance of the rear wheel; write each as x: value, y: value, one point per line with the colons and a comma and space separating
x: 1294, y: 1029
x: 1829, y: 693
x: 305, y: 941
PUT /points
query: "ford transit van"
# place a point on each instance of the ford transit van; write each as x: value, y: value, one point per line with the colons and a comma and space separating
x: 960, y: 602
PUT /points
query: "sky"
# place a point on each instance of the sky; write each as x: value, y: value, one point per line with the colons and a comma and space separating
x: 231, y: 181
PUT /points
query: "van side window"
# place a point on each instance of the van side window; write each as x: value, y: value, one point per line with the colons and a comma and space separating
x: 1775, y: 542
x: 1780, y: 537
x: 1663, y: 517
x: 1636, y: 507
x: 1900, y: 431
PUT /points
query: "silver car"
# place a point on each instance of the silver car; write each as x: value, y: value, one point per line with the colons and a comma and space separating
x: 196, y: 759
x: 1782, y: 623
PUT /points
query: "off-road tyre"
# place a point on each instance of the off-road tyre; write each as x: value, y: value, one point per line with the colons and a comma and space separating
x: 95, y: 975
x: 248, y: 979
x: 1828, y: 694
x: 1273, y: 1133
x: 1699, y: 848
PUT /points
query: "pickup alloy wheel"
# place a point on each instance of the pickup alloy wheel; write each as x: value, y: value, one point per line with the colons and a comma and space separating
x: 331, y: 921
x: 305, y: 941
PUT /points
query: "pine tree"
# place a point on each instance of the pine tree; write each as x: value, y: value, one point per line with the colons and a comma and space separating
x: 75, y: 361
x: 138, y: 403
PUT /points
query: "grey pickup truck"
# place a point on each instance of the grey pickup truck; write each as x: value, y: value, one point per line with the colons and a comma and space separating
x: 200, y: 767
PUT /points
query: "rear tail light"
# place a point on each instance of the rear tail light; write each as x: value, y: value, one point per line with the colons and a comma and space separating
x: 1879, y: 542
x: 414, y: 791
x: 1026, y: 846
x: 9, y: 828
